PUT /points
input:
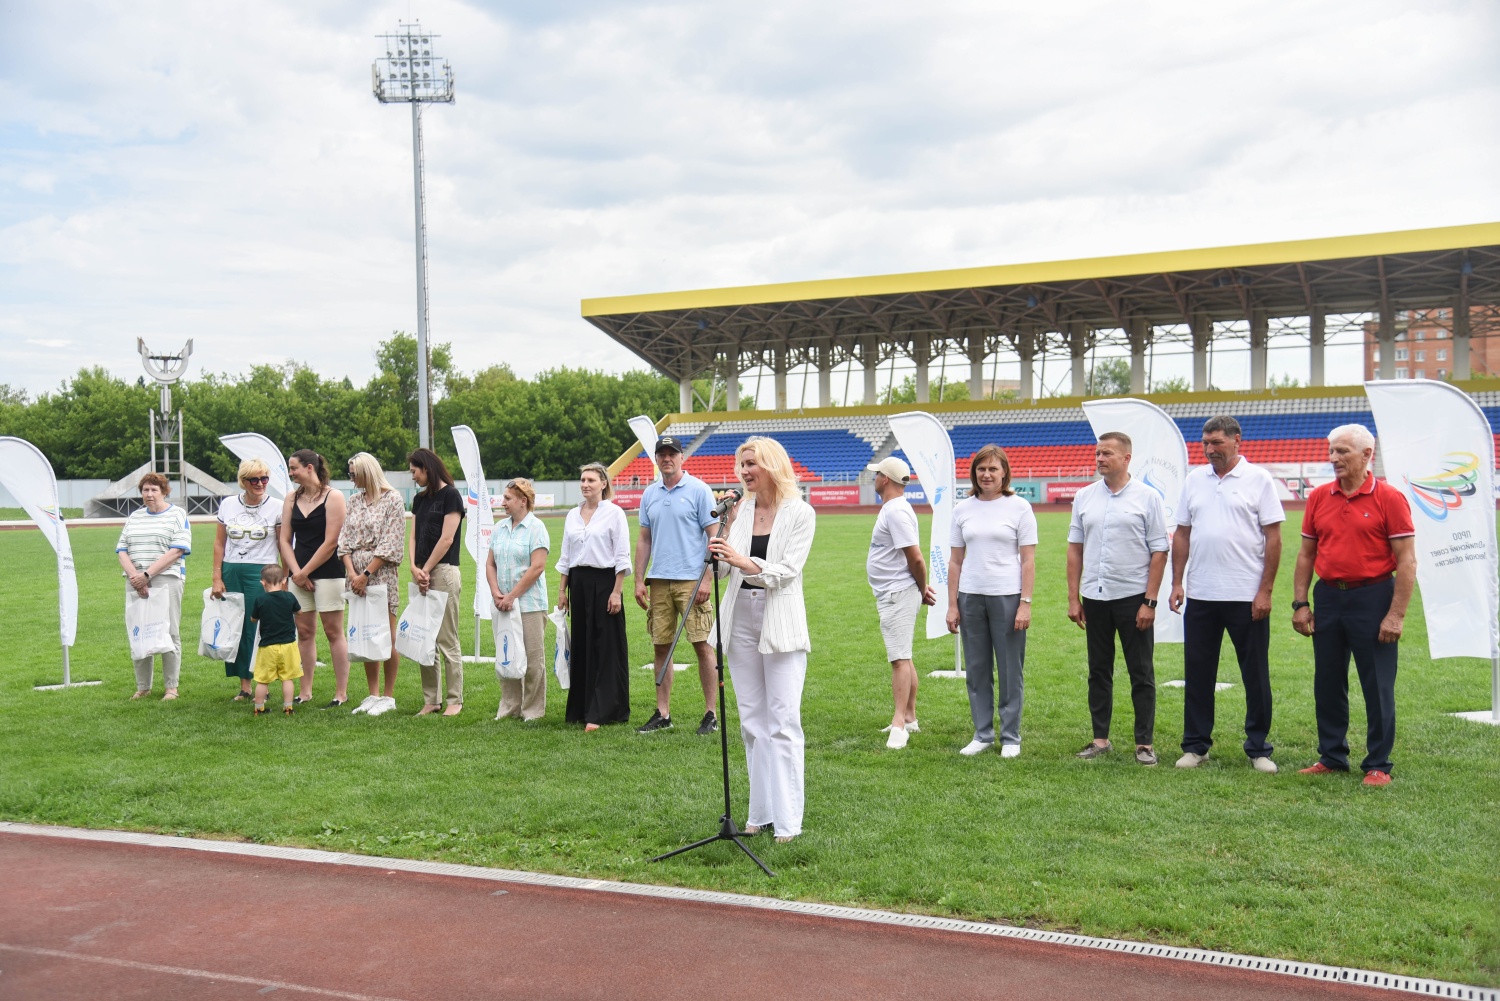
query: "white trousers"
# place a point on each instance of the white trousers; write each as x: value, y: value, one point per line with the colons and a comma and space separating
x: 768, y: 694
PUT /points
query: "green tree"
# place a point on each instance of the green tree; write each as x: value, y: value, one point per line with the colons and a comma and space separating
x: 1109, y: 377
x: 937, y: 389
x: 395, y: 379
x: 1283, y: 382
x: 1176, y: 384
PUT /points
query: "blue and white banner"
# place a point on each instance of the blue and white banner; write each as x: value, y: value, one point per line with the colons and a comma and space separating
x: 1159, y: 459
x: 480, y: 520
x: 257, y: 446
x: 929, y: 451
x: 26, y: 473
x: 1438, y: 449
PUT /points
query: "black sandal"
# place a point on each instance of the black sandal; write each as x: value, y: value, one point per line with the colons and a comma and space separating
x: 242, y: 696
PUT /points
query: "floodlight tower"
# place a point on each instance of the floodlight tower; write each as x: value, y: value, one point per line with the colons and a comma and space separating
x: 408, y: 73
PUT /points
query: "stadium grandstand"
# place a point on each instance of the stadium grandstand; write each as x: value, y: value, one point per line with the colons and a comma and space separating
x: 1239, y: 295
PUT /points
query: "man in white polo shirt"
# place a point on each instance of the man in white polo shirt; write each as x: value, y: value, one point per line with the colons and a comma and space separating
x: 1224, y: 559
x: 1117, y: 554
x: 898, y: 576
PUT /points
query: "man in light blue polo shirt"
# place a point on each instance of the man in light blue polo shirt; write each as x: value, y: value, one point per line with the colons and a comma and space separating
x: 677, y: 522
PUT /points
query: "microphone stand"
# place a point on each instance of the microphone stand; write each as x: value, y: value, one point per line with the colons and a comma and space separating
x: 728, y: 831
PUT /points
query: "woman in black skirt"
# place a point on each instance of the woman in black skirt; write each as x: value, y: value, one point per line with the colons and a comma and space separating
x: 594, y: 561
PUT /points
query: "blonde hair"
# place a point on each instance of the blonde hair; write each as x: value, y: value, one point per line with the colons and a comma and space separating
x: 252, y: 467
x: 524, y: 490
x: 365, y: 470
x: 603, y: 472
x: 771, y: 457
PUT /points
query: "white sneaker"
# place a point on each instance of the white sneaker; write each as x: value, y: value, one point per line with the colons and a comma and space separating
x: 382, y: 705
x: 976, y: 747
x: 364, y: 706
x: 913, y: 727
x: 1264, y: 765
x: 1010, y: 750
x: 1191, y: 760
x: 897, y: 739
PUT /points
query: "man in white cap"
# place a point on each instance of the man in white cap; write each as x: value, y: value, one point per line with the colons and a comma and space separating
x: 898, y: 576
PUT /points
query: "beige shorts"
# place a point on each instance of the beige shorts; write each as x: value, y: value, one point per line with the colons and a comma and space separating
x: 671, y: 598
x: 898, y: 620
x: 327, y: 595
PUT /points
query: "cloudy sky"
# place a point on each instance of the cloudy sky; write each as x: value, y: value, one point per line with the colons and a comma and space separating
x: 221, y: 171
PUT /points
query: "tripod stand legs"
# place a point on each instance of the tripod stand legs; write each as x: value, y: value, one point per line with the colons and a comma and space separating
x: 727, y: 832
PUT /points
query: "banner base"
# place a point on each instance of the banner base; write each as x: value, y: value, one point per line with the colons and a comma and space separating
x: 946, y: 674
x: 66, y: 684
x: 478, y: 660
x: 675, y: 667
x: 1482, y: 716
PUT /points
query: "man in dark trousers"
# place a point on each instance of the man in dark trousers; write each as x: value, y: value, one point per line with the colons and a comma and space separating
x: 1117, y: 553
x: 1356, y: 534
x: 1225, y: 555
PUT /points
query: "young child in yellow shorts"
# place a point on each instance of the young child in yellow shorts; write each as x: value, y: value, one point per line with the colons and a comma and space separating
x: 278, y: 659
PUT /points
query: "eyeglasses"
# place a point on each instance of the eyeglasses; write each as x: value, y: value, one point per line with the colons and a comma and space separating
x: 259, y: 480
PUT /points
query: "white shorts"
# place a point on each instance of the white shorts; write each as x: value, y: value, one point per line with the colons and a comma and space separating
x: 898, y: 620
x: 327, y: 595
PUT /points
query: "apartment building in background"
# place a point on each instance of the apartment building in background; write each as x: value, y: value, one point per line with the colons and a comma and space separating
x: 1424, y: 344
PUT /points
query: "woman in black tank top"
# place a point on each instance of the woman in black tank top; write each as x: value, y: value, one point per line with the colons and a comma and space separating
x: 310, y: 524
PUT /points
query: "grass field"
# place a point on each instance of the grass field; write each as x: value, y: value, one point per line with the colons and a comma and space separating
x: 1319, y: 869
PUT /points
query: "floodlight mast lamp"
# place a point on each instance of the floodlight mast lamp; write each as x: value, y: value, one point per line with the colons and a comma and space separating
x: 408, y: 73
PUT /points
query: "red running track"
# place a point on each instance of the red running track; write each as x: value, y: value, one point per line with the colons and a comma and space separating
x: 85, y: 919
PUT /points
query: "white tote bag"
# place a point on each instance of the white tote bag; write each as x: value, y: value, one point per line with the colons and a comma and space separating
x: 148, y: 623
x: 417, y: 629
x: 510, y: 644
x: 562, y: 657
x: 369, y: 625
x: 223, y: 623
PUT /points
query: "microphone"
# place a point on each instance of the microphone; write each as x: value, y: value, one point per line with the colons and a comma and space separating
x: 728, y: 501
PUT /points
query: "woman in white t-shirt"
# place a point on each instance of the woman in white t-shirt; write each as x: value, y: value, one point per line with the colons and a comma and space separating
x: 990, y: 579
x: 244, y: 543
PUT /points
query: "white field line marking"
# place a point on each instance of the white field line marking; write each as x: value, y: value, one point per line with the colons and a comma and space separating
x: 179, y: 971
x: 1229, y: 960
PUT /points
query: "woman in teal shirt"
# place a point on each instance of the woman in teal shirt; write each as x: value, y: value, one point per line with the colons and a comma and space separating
x: 516, y: 569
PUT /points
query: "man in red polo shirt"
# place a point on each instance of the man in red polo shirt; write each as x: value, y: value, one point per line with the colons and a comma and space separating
x: 1356, y: 533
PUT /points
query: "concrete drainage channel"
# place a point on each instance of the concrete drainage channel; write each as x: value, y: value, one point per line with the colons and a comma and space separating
x: 1308, y: 971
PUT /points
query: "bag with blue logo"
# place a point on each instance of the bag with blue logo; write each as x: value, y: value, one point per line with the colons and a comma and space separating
x: 223, y: 622
x: 148, y: 623
x: 368, y: 625
x: 510, y: 644
x: 562, y: 656
x: 417, y: 629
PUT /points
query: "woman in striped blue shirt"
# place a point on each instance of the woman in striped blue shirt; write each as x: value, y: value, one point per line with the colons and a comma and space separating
x: 152, y: 545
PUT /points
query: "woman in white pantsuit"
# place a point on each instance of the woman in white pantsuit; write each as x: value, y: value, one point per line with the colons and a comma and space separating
x: 765, y: 625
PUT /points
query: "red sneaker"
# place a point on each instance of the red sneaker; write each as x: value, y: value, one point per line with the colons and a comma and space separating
x: 1377, y: 778
x: 1318, y: 768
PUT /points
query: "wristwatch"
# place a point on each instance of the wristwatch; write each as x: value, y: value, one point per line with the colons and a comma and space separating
x: 1149, y: 602
x: 1027, y: 600
x: 1297, y: 606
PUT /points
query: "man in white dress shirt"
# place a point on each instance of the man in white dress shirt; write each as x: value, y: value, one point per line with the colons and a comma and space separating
x: 1225, y: 555
x: 898, y: 576
x: 1117, y: 554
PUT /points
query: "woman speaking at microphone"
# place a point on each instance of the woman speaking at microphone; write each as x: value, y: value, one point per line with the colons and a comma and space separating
x: 765, y: 623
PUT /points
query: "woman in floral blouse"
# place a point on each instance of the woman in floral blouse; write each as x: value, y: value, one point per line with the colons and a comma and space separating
x: 372, y: 545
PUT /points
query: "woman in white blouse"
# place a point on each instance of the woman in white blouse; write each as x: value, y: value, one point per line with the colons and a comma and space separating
x: 765, y: 621
x: 595, y: 559
x: 990, y: 577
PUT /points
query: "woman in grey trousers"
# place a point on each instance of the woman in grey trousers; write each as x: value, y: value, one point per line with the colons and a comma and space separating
x: 990, y: 578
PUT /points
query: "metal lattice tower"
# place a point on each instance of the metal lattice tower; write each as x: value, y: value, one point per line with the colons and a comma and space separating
x: 409, y: 73
x: 166, y: 424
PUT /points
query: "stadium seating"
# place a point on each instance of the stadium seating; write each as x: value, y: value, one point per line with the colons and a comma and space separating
x: 1041, y: 441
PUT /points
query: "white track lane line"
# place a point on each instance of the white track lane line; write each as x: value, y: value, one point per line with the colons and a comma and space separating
x: 181, y: 971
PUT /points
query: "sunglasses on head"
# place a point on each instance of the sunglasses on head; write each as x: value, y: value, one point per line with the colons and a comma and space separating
x: 261, y: 480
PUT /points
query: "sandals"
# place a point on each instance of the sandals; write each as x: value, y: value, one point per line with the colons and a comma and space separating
x: 140, y: 694
x: 242, y: 696
x: 171, y: 694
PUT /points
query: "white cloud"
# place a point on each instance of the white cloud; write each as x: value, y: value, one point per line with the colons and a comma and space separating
x: 222, y: 172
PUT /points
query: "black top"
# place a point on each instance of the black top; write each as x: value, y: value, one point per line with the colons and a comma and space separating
x: 428, y: 510
x: 758, y: 545
x: 309, y: 531
x: 274, y: 610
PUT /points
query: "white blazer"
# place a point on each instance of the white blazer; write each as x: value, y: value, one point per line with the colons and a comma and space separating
x: 785, y: 627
